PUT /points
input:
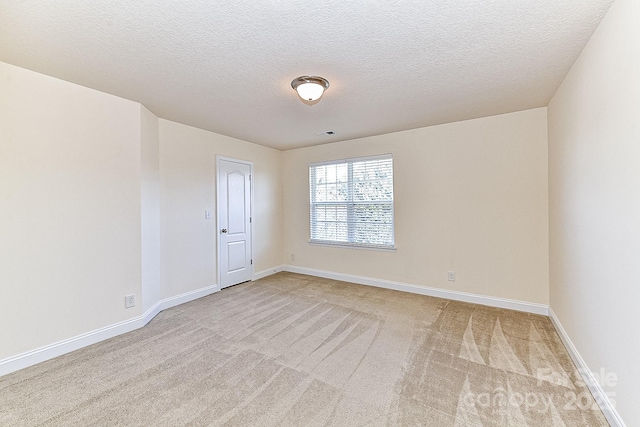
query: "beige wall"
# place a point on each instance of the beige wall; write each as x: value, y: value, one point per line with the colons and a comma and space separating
x: 150, y: 208
x: 69, y: 209
x: 188, y: 177
x: 99, y: 199
x: 469, y: 196
x: 594, y: 179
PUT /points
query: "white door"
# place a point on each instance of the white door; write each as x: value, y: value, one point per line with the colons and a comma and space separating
x: 234, y: 222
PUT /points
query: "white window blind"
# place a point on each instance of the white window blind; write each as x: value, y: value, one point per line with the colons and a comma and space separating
x: 352, y: 202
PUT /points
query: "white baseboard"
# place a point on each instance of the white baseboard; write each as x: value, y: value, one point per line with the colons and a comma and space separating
x: 268, y: 272
x: 423, y: 290
x: 590, y: 380
x: 50, y: 351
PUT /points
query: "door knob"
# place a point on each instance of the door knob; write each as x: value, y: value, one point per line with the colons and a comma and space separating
x: 224, y: 230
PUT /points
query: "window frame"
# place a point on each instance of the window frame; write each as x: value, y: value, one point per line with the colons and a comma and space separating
x: 351, y: 204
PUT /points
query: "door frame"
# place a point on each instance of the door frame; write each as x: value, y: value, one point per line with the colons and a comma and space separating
x: 218, y: 240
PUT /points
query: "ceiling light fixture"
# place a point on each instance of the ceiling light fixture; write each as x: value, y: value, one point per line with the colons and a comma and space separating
x: 310, y: 88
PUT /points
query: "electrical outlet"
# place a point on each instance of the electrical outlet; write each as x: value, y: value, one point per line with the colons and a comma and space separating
x: 129, y: 301
x: 293, y: 257
x: 451, y: 276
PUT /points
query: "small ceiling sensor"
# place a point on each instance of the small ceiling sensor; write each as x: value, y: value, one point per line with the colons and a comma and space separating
x: 326, y: 132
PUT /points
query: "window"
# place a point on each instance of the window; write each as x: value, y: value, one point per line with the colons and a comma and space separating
x: 352, y: 202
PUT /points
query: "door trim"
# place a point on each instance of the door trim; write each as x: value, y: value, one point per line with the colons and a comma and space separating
x: 218, y: 241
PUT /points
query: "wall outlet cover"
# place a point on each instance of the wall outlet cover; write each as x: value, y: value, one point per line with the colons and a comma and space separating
x: 129, y: 301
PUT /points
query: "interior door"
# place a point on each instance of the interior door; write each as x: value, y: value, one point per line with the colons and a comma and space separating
x: 234, y: 222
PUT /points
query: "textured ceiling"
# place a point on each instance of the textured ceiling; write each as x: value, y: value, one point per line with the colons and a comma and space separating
x: 226, y: 66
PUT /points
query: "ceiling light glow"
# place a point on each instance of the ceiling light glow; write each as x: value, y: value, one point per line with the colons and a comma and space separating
x: 310, y: 88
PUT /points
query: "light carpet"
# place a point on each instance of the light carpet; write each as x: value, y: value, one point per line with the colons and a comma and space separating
x: 294, y: 350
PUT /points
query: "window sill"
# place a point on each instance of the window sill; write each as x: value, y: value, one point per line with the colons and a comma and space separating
x: 361, y: 247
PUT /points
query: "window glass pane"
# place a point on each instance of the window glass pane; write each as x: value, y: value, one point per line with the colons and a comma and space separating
x: 321, y: 174
x: 333, y: 213
x: 321, y: 193
x: 331, y: 173
x: 342, y: 172
x: 336, y: 193
x: 352, y: 201
x: 372, y: 191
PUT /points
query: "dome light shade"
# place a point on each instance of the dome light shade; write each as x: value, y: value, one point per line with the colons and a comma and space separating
x: 310, y: 88
x: 310, y: 91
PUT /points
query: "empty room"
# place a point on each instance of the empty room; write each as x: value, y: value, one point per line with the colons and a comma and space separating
x: 276, y: 213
